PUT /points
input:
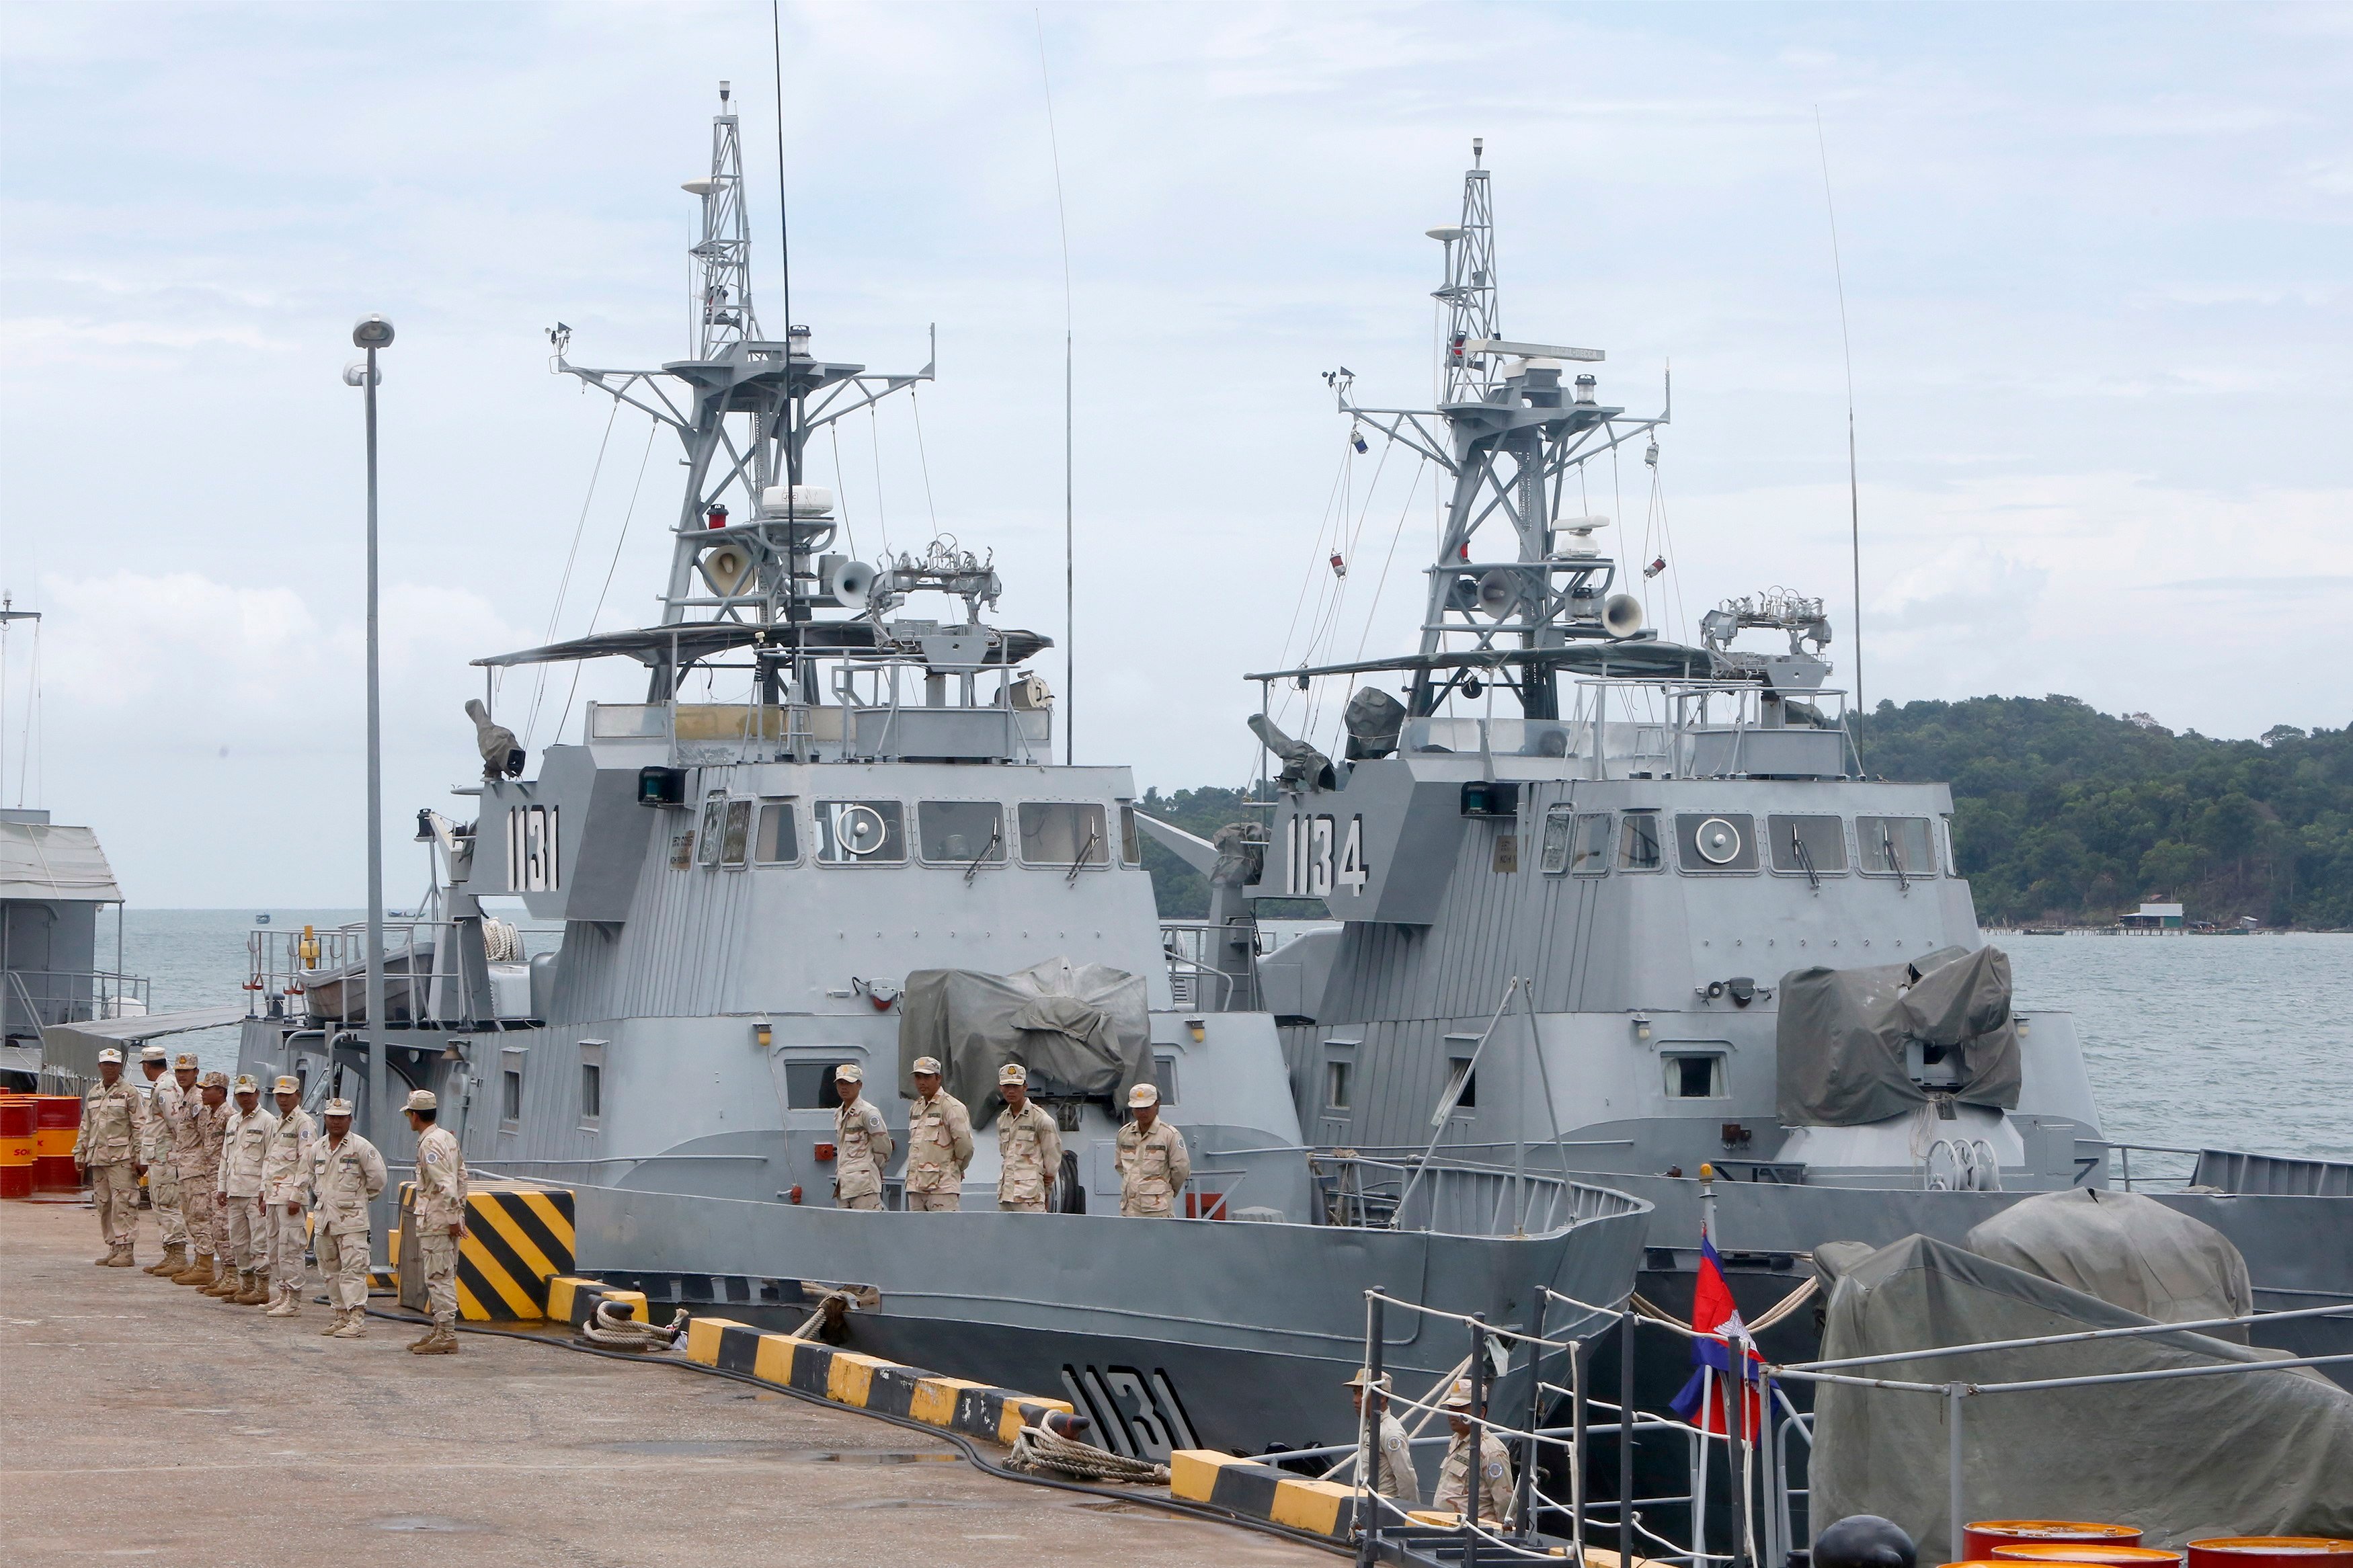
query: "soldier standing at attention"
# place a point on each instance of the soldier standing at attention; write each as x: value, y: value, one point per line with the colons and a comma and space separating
x: 196, y: 1153
x: 243, y: 1229
x: 286, y: 1193
x: 1453, y: 1493
x: 939, y: 1143
x: 1153, y: 1162
x: 106, y: 1150
x: 440, y: 1210
x: 1029, y: 1147
x: 861, y: 1142
x: 1393, y: 1472
x: 346, y: 1172
x: 162, y: 1095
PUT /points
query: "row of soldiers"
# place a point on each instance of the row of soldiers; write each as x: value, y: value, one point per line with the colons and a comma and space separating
x: 1153, y: 1164
x: 240, y: 1194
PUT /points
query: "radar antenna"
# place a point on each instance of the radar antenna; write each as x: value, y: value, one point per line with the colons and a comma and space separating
x: 723, y: 255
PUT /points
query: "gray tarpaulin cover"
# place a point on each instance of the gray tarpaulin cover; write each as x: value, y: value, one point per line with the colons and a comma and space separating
x: 2259, y: 1453
x: 1079, y: 1029
x: 1839, y: 1037
x: 2129, y: 1251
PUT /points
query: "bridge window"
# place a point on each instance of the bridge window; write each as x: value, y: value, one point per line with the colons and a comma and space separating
x: 1695, y: 1075
x: 592, y: 1091
x: 1053, y: 834
x: 1722, y: 841
x: 1638, y: 841
x: 1558, y: 822
x: 1801, y: 844
x: 860, y: 832
x: 1336, y: 1085
x: 1131, y: 845
x: 715, y: 817
x: 1589, y: 857
x: 808, y: 1086
x: 1890, y: 846
x: 736, y: 844
x: 959, y: 832
x: 779, y: 839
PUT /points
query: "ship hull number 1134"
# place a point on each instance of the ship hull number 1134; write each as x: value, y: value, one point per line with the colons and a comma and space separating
x: 1322, y: 857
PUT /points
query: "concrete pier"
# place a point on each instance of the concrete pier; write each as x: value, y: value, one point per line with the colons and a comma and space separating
x: 141, y: 1421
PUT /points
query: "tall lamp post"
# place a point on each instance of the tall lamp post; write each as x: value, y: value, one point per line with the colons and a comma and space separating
x: 371, y: 334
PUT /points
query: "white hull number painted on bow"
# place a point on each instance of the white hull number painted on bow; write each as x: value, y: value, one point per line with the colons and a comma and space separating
x: 1320, y: 858
x: 531, y: 849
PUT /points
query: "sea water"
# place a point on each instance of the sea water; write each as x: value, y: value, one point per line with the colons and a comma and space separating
x: 2229, y: 1042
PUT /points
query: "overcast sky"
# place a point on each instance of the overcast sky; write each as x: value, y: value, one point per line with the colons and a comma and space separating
x: 2096, y: 266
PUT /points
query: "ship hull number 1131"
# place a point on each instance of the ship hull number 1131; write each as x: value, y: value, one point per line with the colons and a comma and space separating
x: 1320, y: 857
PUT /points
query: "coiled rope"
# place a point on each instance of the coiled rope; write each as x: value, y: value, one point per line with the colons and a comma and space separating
x: 1040, y: 1452
x: 614, y: 1332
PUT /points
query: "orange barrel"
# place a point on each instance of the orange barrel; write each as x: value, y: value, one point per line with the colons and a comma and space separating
x: 2271, y: 1552
x: 2096, y: 1554
x: 1979, y: 1540
x: 59, y: 1124
x: 18, y: 1121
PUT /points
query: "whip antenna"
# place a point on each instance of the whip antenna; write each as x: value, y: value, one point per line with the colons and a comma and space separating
x: 783, y: 244
x: 1070, y: 553
x: 1853, y: 491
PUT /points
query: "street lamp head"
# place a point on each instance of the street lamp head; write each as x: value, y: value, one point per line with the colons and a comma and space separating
x: 357, y: 373
x: 372, y: 333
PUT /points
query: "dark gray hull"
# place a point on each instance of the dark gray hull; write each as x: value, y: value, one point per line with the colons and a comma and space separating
x: 1225, y: 1335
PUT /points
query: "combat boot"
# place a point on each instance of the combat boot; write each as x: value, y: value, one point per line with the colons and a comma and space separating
x: 106, y: 1259
x: 334, y: 1323
x: 442, y: 1340
x: 255, y: 1294
x: 198, y: 1272
x: 229, y: 1283
x: 287, y: 1304
x: 175, y: 1260
x: 353, y: 1326
x: 121, y: 1258
x: 427, y: 1338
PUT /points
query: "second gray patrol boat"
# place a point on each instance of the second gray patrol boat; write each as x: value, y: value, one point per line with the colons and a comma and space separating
x: 748, y: 890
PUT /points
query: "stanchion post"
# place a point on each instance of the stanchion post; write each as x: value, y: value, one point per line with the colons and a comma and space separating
x: 1478, y: 1439
x: 1368, y: 1525
x: 1526, y: 1488
x: 1954, y: 1393
x: 1626, y: 1437
x: 1577, y: 1370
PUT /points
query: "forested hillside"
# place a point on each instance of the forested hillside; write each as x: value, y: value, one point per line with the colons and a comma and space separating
x: 2062, y: 813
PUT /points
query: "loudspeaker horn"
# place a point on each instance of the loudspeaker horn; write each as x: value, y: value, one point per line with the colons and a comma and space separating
x: 727, y: 568
x: 1622, y: 615
x: 1499, y: 593
x: 849, y: 584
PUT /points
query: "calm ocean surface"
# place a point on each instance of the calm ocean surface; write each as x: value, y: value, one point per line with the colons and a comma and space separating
x: 2240, y: 1042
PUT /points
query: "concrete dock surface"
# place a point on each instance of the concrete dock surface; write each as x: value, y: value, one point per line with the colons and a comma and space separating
x: 140, y: 1420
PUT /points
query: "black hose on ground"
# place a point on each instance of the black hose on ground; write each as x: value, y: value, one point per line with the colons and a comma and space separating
x: 969, y: 1447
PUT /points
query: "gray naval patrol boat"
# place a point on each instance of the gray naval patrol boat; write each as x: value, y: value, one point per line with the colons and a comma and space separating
x: 1624, y: 910
x: 757, y: 889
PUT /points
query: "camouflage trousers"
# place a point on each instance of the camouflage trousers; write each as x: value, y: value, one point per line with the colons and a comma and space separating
x: 196, y: 1209
x: 437, y: 1254
x: 164, y: 1192
x: 343, y: 1259
x: 115, y: 1190
x: 289, y: 1239
x: 947, y: 1201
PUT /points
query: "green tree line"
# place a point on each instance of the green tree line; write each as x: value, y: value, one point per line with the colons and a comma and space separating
x: 2061, y: 814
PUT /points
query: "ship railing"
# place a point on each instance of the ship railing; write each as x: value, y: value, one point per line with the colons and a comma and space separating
x: 38, y: 997
x: 2165, y: 1178
x: 419, y: 964
x: 1703, y: 728
x: 1194, y: 978
x: 1466, y: 1199
x: 874, y: 725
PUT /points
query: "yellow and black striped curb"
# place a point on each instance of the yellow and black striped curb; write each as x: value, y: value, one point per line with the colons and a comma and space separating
x: 574, y: 1300
x: 1261, y: 1491
x: 865, y: 1382
x: 517, y: 1237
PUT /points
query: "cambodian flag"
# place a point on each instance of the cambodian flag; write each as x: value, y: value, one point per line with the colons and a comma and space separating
x: 1714, y: 1315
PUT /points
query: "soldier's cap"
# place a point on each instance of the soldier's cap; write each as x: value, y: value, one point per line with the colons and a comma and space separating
x: 213, y: 1081
x: 184, y: 1060
x: 849, y: 1072
x: 154, y: 1053
x: 286, y: 1086
x: 926, y: 1065
x: 1365, y: 1378
x: 421, y: 1100
x: 109, y: 1055
x: 1141, y: 1095
x: 339, y: 1107
x: 245, y: 1084
x: 1458, y: 1397
x: 1013, y: 1072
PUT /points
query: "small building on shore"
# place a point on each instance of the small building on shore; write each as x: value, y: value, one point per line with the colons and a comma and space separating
x: 2153, y: 918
